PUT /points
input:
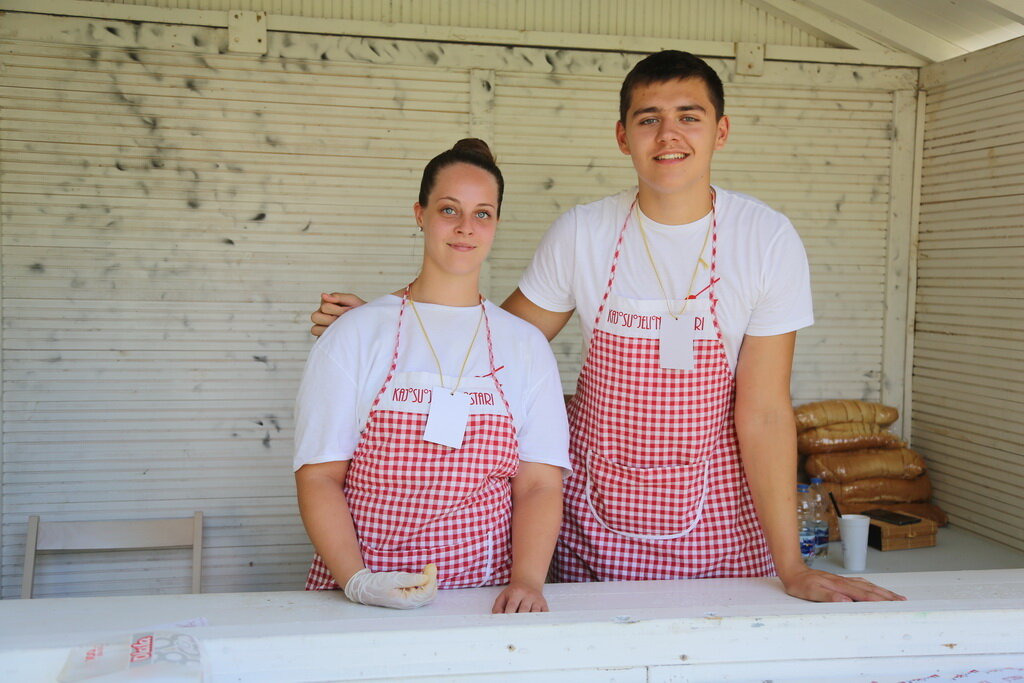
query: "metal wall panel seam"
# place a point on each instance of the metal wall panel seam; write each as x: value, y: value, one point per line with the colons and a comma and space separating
x: 913, y: 239
x: 482, y: 85
x: 3, y: 326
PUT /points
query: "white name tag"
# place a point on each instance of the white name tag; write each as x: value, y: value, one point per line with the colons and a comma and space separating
x: 677, y: 337
x: 446, y: 421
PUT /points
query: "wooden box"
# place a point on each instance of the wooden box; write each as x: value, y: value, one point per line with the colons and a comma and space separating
x: 885, y: 536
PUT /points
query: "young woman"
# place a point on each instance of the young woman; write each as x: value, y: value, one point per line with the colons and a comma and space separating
x: 431, y: 435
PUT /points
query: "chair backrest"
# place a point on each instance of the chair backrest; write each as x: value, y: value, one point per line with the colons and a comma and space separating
x: 140, y: 534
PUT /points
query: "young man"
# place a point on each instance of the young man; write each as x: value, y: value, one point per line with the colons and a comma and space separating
x: 682, y: 433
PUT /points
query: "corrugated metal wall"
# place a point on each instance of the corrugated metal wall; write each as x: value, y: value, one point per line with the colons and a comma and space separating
x: 725, y: 20
x: 968, y: 383
x: 170, y: 214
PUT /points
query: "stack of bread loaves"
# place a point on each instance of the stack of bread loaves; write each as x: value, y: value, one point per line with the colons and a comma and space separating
x: 863, y: 464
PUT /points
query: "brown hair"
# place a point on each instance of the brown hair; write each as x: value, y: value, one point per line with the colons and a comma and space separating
x: 671, y: 65
x: 473, y: 151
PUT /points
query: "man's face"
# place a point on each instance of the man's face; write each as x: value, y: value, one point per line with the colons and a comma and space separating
x: 671, y: 134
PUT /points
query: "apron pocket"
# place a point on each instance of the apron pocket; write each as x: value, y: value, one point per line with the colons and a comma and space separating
x: 461, y: 565
x: 653, y: 503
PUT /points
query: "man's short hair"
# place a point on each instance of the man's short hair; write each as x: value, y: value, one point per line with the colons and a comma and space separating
x: 671, y: 65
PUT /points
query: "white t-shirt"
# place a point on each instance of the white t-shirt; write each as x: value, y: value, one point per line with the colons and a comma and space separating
x: 349, y: 363
x: 764, y: 281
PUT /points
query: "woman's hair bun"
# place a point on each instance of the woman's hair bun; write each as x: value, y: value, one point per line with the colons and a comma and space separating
x: 474, y: 146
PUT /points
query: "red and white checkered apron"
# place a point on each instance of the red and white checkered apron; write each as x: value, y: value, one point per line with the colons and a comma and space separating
x: 415, y: 502
x: 658, y: 490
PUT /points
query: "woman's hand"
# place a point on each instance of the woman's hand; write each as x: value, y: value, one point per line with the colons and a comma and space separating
x: 332, y: 306
x: 400, y: 590
x: 818, y: 586
x: 520, y: 597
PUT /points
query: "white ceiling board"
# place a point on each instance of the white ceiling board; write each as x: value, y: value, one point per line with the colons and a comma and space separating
x: 969, y: 24
x: 816, y: 23
x: 1014, y: 9
x: 935, y: 30
x: 883, y: 25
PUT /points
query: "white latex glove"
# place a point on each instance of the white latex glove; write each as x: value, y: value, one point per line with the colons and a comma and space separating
x: 401, y: 590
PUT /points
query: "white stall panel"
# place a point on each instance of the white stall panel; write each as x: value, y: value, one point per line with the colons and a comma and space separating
x: 968, y: 357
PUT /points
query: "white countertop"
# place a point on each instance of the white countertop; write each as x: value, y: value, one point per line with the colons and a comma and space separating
x: 955, y: 550
x: 715, y: 629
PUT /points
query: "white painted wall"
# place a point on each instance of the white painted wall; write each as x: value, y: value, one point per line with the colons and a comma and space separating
x: 171, y: 211
x: 968, y: 383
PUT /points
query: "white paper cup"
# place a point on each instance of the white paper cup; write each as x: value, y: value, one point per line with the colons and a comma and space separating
x: 854, y: 532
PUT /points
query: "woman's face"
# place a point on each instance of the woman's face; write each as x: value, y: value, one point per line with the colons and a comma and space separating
x: 459, y: 220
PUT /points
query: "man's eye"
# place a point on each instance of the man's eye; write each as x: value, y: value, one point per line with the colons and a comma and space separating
x: 647, y: 122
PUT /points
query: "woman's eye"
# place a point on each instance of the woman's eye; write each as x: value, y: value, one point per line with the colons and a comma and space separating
x: 448, y: 211
x: 483, y: 215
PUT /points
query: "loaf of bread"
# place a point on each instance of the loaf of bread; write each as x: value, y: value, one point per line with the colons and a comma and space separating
x: 823, y: 413
x: 844, y: 466
x: 846, y: 436
x: 881, y: 490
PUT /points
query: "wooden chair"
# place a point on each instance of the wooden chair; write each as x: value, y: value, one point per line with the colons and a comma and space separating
x: 141, y: 534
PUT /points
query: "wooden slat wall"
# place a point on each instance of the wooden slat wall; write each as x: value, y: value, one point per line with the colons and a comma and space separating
x: 968, y: 382
x: 726, y: 20
x: 170, y: 213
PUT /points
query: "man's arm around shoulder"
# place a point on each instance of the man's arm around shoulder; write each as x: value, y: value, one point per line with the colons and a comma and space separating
x: 548, y: 322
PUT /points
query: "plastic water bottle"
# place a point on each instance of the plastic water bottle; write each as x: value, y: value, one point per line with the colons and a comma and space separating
x: 805, y: 517
x: 820, y: 518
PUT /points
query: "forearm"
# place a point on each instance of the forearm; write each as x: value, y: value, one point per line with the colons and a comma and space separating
x: 548, y: 322
x: 768, y: 451
x: 767, y: 436
x: 536, y: 520
x: 328, y: 523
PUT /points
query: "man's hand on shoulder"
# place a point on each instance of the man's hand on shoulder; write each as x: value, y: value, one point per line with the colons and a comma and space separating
x: 332, y: 306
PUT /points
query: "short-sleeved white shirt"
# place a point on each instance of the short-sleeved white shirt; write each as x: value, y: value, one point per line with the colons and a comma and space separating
x: 350, y: 361
x: 764, y: 280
